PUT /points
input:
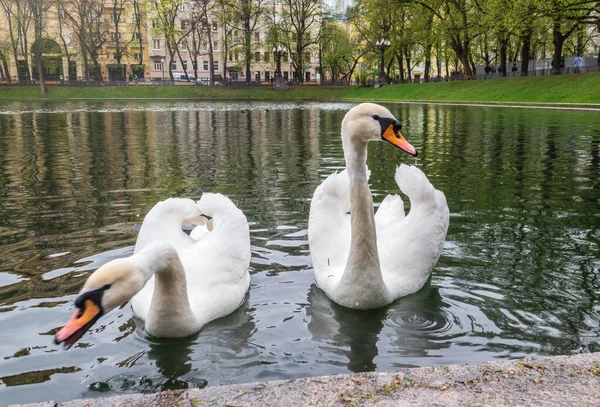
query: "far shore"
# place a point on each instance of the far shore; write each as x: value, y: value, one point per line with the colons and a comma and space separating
x: 562, y: 91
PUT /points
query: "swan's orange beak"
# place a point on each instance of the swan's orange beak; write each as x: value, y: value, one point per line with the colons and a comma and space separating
x: 82, y: 320
x: 396, y: 138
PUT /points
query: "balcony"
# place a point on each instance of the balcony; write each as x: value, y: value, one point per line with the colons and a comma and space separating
x: 156, y: 52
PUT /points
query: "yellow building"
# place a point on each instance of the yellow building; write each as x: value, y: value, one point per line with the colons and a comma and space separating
x: 139, y: 44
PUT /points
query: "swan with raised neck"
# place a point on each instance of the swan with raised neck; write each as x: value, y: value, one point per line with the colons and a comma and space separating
x: 345, y: 249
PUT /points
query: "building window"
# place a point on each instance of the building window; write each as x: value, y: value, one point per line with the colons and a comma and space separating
x: 214, y: 26
x: 174, y: 65
x: 284, y: 56
x: 215, y: 66
x: 237, y: 57
x: 135, y: 18
x: 184, y: 65
x: 257, y: 36
x: 158, y: 66
x: 183, y: 25
x: 230, y: 56
x: 155, y: 23
x: 205, y: 65
x: 156, y: 45
x: 137, y: 55
x: 257, y: 56
x: 136, y: 36
x: 266, y: 56
x: 307, y: 57
x: 116, y: 17
x: 205, y: 46
x: 215, y: 45
x: 61, y: 11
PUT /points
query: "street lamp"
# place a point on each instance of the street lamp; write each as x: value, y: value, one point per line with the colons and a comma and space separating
x: 382, y: 44
x: 162, y: 65
x: 278, y: 52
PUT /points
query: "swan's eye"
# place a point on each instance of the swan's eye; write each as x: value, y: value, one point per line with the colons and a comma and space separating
x: 375, y: 117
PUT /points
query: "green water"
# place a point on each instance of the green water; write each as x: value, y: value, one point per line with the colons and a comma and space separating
x: 519, y: 274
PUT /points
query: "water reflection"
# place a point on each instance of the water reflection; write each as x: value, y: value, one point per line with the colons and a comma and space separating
x: 519, y: 273
x: 345, y: 331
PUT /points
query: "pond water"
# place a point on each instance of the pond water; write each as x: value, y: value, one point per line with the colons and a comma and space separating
x: 519, y: 274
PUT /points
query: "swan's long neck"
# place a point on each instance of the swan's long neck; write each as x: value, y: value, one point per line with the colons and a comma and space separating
x: 363, y: 272
x: 170, y: 313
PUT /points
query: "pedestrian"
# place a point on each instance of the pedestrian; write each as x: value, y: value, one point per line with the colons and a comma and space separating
x: 577, y: 64
x: 514, y: 68
x: 488, y: 69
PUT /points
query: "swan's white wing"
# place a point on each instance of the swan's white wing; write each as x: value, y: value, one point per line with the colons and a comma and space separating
x: 329, y: 229
x: 217, y: 264
x: 163, y: 223
x: 410, y: 247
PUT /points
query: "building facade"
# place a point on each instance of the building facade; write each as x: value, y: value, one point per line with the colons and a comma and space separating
x: 120, y: 40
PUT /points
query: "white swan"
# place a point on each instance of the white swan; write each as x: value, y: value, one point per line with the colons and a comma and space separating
x: 366, y: 261
x: 178, y: 282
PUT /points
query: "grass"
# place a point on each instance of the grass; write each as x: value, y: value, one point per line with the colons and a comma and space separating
x: 547, y: 89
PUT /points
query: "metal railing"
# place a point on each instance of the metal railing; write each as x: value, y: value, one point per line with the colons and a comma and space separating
x: 54, y: 80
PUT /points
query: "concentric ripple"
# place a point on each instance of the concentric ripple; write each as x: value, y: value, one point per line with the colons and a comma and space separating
x: 414, y: 322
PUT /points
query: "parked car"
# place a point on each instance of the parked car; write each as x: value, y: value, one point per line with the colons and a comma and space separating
x: 181, y: 77
x: 206, y: 81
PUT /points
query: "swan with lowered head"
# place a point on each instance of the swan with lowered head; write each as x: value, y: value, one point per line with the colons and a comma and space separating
x: 178, y: 283
x: 364, y: 260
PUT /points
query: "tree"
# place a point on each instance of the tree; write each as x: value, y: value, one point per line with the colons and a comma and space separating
x: 247, y: 15
x: 301, y: 20
x: 205, y: 9
x: 38, y: 9
x: 373, y: 20
x: 18, y: 19
x: 459, y: 19
x: 62, y: 34
x: 120, y: 43
x: 225, y: 16
x: 86, y: 20
x: 567, y: 16
x: 339, y: 53
x: 167, y: 12
x: 139, y: 16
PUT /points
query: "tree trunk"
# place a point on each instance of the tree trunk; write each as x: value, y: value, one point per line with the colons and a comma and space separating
x: 37, y: 10
x: 503, y: 51
x: 526, y: 51
x: 427, y: 61
x: 408, y: 68
x: 5, y: 66
x: 400, y: 59
x: 211, y: 58
x: 558, y: 39
x: 248, y: 46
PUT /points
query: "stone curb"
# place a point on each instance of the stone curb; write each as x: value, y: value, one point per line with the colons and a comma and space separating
x: 526, y: 105
x: 538, y: 381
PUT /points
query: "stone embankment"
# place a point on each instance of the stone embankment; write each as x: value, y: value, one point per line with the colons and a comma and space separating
x: 539, y: 381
